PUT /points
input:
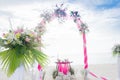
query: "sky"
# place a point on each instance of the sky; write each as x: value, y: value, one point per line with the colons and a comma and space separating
x: 63, y: 40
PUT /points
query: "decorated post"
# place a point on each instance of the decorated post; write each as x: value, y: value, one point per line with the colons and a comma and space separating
x: 40, y: 29
x: 83, y: 29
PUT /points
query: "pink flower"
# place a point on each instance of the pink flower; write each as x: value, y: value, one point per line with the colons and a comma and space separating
x: 18, y: 31
x: 3, y: 35
x: 27, y: 39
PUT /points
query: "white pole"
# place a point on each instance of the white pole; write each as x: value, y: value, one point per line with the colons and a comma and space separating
x: 85, y: 74
x: 118, y: 61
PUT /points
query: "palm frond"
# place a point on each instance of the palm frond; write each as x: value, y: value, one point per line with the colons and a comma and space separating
x: 11, y: 59
x: 40, y: 57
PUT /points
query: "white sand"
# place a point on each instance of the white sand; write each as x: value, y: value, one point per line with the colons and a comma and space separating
x: 106, y: 70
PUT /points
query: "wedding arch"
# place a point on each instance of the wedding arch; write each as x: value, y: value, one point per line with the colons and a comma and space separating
x: 21, y: 44
x: 61, y: 14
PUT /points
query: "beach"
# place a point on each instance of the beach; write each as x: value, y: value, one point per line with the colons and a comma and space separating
x: 108, y: 71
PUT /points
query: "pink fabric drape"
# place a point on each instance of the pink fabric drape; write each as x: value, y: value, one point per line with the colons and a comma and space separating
x: 65, y: 69
x: 60, y: 68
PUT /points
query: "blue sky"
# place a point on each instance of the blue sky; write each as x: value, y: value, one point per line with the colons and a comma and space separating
x: 100, y: 6
x: 102, y: 17
x: 96, y: 5
x: 109, y: 4
x: 106, y: 4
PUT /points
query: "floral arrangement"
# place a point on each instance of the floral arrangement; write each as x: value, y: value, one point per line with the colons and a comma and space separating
x: 56, y: 73
x: 63, y: 68
x: 60, y: 11
x: 21, y: 48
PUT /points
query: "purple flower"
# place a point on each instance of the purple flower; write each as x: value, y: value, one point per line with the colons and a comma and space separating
x: 60, y: 12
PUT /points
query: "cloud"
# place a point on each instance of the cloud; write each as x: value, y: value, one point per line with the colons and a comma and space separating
x: 64, y: 39
x: 26, y: 2
x: 5, y: 13
x: 107, y: 19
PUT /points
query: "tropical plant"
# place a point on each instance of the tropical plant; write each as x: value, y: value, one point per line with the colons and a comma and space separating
x: 116, y: 52
x: 116, y: 49
x: 20, y: 49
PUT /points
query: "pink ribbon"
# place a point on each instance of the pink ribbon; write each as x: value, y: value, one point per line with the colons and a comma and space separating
x: 79, y: 22
x: 39, y: 67
x: 85, y: 52
x: 94, y: 75
x: 103, y: 78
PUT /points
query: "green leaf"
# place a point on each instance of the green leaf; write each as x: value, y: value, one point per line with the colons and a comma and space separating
x: 13, y: 58
x: 40, y: 57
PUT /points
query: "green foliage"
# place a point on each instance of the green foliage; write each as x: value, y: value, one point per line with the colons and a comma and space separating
x: 55, y: 74
x: 13, y: 58
x: 71, y: 71
x: 116, y: 50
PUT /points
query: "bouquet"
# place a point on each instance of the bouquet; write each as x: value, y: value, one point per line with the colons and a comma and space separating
x: 21, y: 48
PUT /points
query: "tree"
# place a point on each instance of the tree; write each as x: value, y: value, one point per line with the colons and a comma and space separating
x: 116, y: 52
